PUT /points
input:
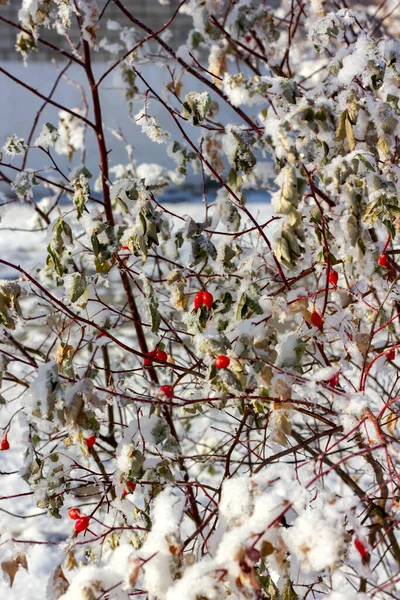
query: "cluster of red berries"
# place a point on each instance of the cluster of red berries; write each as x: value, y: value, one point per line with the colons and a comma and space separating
x: 4, y: 445
x: 155, y: 353
x: 81, y: 521
x: 203, y: 298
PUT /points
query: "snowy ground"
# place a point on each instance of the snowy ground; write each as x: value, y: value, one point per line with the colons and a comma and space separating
x: 28, y: 249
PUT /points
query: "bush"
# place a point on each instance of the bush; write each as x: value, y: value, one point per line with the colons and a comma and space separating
x: 215, y: 394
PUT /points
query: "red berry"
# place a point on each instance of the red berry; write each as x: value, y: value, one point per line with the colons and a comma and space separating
x: 161, y: 355
x: 383, y: 260
x: 390, y: 354
x: 361, y: 548
x: 4, y: 443
x: 151, y: 354
x: 125, y: 248
x: 74, y: 513
x: 81, y: 524
x: 198, y: 300
x: 124, y: 493
x: 167, y: 390
x: 90, y: 441
x: 222, y: 362
x: 208, y: 299
x: 333, y: 277
x: 131, y: 487
x: 316, y: 319
x: 334, y: 380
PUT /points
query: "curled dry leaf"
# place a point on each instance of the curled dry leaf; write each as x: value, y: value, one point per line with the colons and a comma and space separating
x: 133, y: 571
x: 60, y: 583
x: 362, y: 342
x: 300, y: 306
x: 283, y: 390
x: 282, y: 428
x: 71, y: 561
x: 64, y: 352
x: 11, y: 566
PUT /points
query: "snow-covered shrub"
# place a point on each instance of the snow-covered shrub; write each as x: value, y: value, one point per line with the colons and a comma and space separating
x: 215, y: 394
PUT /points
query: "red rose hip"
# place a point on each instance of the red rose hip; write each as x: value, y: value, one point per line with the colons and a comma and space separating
x: 161, y: 355
x: 334, y: 380
x: 148, y: 361
x: 90, y: 441
x: 4, y: 443
x: 129, y: 489
x: 222, y: 362
x: 383, y: 260
x: 361, y: 548
x: 74, y: 513
x: 316, y: 319
x: 131, y: 486
x: 333, y: 277
x: 81, y: 524
x: 390, y: 354
x: 208, y: 299
x: 198, y: 300
x: 167, y: 390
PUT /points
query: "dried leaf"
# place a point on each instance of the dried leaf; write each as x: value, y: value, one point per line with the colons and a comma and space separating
x: 88, y: 594
x: 10, y: 567
x: 284, y: 424
x: 363, y: 342
x: 266, y: 548
x: 391, y: 423
x: 350, y: 134
x: 283, y: 390
x: 133, y: 571
x: 281, y: 428
x: 340, y: 134
x: 178, y: 297
x: 9, y: 304
x: 217, y: 64
x: 299, y: 306
x: 64, y: 352
x: 71, y: 562
x: 266, y: 374
x: 384, y: 144
x: 60, y: 583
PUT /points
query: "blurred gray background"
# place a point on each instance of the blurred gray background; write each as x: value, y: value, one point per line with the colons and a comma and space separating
x: 151, y: 12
